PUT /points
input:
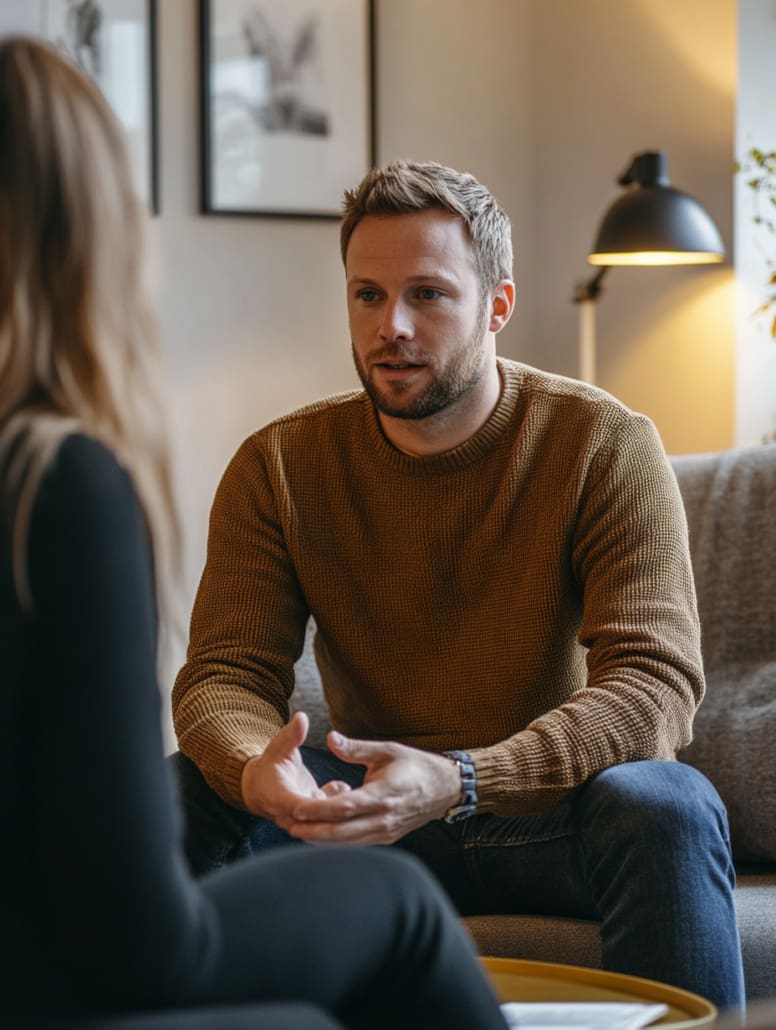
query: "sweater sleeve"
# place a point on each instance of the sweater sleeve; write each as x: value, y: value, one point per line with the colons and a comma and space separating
x: 247, y: 630
x: 109, y: 862
x: 630, y: 557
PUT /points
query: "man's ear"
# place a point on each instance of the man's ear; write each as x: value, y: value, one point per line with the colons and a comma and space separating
x: 502, y: 304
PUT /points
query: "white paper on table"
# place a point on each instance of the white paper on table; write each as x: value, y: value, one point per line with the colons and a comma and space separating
x: 595, y: 1015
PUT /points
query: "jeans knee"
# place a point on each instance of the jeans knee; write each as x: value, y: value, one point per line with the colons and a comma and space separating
x: 652, y: 801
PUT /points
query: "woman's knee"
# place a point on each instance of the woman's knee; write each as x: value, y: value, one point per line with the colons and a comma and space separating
x: 403, y: 877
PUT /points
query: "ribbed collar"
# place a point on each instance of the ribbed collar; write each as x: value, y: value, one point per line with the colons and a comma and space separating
x: 470, y: 451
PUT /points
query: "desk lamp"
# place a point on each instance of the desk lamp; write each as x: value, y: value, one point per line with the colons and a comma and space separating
x: 650, y: 224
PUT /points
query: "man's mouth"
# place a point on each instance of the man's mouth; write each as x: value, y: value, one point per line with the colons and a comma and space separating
x: 396, y: 371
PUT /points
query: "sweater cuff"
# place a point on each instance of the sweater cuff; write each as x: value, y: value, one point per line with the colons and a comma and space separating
x: 229, y: 782
x: 512, y: 780
x: 495, y: 770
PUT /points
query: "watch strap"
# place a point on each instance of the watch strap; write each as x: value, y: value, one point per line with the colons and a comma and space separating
x: 467, y: 803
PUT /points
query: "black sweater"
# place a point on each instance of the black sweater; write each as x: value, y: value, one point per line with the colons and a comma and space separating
x: 96, y: 905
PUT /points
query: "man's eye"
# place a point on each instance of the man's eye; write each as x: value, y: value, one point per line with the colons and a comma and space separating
x: 367, y: 295
x: 428, y: 293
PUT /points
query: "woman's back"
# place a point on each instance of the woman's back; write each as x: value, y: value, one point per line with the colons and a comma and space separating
x: 93, y: 891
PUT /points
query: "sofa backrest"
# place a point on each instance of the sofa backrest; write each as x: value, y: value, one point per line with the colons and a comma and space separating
x: 730, y: 500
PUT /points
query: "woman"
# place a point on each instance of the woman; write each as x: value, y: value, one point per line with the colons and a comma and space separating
x: 103, y: 925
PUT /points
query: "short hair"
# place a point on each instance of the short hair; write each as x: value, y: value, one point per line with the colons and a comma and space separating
x: 404, y: 187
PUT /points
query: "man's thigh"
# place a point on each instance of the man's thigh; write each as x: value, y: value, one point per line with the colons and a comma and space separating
x: 543, y: 863
x: 488, y: 864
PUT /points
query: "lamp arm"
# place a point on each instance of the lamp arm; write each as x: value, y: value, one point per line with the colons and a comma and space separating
x: 591, y: 289
x: 585, y: 296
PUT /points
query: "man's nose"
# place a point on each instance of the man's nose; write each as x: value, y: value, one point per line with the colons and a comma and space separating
x: 396, y: 322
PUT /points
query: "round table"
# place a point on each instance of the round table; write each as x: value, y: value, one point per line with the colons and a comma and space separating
x: 521, y: 980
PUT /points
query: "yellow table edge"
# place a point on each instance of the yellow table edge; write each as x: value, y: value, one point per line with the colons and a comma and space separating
x: 700, y: 1011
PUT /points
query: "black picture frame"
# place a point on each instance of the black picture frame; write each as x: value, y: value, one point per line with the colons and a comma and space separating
x: 287, y: 119
x: 115, y: 43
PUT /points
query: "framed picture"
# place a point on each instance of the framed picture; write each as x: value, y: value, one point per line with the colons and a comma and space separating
x: 286, y: 104
x: 114, y: 42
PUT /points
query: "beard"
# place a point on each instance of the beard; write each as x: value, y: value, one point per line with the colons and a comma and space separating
x: 450, y: 380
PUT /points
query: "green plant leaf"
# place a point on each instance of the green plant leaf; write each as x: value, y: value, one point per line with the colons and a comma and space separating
x: 763, y: 186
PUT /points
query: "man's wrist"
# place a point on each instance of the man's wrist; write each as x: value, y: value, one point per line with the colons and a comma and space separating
x: 467, y: 802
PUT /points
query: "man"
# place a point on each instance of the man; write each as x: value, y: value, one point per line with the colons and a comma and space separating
x: 497, y: 565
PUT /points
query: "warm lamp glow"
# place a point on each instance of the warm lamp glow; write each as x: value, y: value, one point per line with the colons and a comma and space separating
x: 658, y: 257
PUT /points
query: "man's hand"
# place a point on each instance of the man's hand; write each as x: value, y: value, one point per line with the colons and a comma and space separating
x: 404, y: 789
x: 275, y: 782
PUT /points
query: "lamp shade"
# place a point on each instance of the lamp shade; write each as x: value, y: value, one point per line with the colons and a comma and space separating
x: 653, y: 223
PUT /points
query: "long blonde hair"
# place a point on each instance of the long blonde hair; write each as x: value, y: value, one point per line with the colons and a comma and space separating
x: 78, y: 341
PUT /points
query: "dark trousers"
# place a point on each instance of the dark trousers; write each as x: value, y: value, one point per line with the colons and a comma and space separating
x: 329, y: 938
x: 282, y: 1016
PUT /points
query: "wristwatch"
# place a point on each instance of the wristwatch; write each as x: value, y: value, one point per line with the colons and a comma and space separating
x: 467, y: 803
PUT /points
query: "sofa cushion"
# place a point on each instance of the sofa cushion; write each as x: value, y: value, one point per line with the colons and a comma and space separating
x: 730, y: 500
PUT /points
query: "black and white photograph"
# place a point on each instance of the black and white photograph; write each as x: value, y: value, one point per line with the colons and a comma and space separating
x: 286, y: 104
x: 114, y: 42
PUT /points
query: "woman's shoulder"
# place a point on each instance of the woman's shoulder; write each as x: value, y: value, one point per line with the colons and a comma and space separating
x: 63, y: 492
x: 82, y: 457
x: 84, y: 477
x: 41, y: 447
x: 53, y: 466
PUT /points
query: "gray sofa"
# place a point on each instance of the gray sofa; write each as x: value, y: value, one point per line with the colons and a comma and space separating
x: 730, y: 500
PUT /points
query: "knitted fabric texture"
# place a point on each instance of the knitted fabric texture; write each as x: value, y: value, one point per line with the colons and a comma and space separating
x: 527, y: 596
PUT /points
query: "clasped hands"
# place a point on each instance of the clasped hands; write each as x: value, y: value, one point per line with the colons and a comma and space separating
x: 404, y: 788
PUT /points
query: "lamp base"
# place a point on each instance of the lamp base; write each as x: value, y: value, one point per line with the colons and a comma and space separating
x: 586, y: 341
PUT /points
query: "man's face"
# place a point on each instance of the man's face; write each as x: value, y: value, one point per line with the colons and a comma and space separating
x: 418, y: 318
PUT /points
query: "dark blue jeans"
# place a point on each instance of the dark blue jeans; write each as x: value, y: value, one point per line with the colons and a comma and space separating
x: 643, y: 847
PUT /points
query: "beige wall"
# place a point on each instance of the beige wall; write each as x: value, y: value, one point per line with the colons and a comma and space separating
x: 544, y: 100
x: 613, y: 79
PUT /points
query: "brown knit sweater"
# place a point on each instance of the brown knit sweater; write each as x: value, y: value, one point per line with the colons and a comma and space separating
x: 527, y: 596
